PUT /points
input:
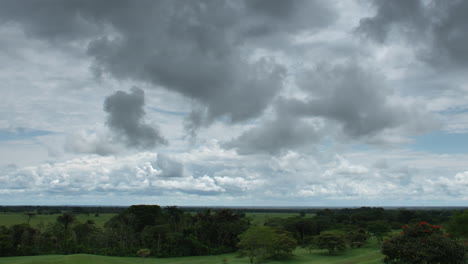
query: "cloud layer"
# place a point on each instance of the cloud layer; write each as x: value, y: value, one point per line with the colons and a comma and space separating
x: 248, y: 102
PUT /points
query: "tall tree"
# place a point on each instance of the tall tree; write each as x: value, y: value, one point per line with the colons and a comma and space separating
x: 330, y: 241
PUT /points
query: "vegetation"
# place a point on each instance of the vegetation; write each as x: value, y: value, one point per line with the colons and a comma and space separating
x: 370, y: 254
x: 40, y: 221
x: 148, y: 231
x: 458, y: 225
x: 423, y: 243
x: 261, y: 242
x: 330, y: 241
x: 165, y: 232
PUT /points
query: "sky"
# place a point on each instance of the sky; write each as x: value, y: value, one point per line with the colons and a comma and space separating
x: 234, y: 103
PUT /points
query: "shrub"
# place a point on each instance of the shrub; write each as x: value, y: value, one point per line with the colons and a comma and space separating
x: 423, y: 243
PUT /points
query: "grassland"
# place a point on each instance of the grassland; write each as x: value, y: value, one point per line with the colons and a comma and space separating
x: 9, y: 219
x: 369, y: 254
x: 261, y: 218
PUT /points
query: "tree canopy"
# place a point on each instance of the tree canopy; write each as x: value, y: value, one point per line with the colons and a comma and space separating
x: 423, y: 243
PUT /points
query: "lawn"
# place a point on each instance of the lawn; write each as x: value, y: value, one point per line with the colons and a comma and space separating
x: 369, y: 254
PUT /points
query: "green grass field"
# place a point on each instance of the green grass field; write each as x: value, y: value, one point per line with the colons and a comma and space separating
x: 9, y: 219
x: 261, y: 218
x: 366, y: 255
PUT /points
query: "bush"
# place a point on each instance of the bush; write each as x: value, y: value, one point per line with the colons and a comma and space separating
x: 423, y: 243
x: 330, y: 241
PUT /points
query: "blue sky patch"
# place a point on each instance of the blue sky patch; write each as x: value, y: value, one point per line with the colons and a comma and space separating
x: 162, y: 111
x: 441, y: 142
x: 22, y: 133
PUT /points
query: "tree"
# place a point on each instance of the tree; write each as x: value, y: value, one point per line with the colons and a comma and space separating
x: 379, y: 229
x: 66, y: 219
x: 283, y: 244
x: 30, y: 215
x: 330, y: 241
x: 356, y: 238
x: 257, y: 242
x: 261, y: 242
x: 86, y: 235
x: 423, y: 243
x: 458, y: 224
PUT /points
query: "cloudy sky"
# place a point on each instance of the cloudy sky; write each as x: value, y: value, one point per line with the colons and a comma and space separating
x: 242, y: 102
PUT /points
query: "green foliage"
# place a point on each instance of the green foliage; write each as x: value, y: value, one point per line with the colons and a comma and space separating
x: 283, y: 244
x: 458, y: 224
x: 300, y: 227
x: 66, y: 219
x: 423, y: 243
x: 262, y: 242
x: 257, y: 243
x: 330, y: 241
x: 356, y: 239
x: 169, y: 231
x: 144, y: 252
x: 379, y: 229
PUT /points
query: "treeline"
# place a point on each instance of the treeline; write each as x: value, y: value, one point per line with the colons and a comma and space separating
x: 372, y: 221
x: 171, y: 232
x: 418, y: 242
x: 164, y: 231
x: 49, y: 210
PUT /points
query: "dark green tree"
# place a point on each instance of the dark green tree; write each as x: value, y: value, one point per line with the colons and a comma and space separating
x: 423, y: 243
x: 30, y: 215
x: 66, y: 219
x: 458, y: 225
x: 357, y: 238
x: 257, y: 243
x: 379, y: 229
x: 330, y: 241
x: 283, y: 244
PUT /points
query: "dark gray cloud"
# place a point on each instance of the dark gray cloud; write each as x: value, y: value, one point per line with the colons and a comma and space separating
x: 169, y: 167
x: 275, y: 136
x: 436, y: 29
x: 347, y: 95
x: 358, y: 100
x: 200, y: 49
x: 126, y: 119
x: 406, y: 16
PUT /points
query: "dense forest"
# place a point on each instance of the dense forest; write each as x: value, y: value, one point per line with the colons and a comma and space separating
x: 171, y: 231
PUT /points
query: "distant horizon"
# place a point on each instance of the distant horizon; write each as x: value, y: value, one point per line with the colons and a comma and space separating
x: 251, y: 207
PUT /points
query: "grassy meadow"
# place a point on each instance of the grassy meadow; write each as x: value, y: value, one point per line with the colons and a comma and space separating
x: 370, y: 254
x: 9, y: 219
x: 261, y: 218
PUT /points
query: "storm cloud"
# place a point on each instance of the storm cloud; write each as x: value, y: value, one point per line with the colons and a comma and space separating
x: 126, y: 119
x: 435, y: 29
x: 275, y: 136
x: 344, y: 97
x: 200, y: 49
